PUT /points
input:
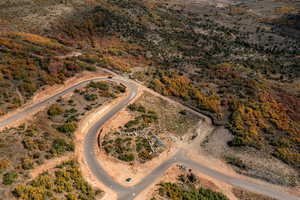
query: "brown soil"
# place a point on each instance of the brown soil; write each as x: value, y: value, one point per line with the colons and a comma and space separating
x: 49, y: 165
x: 120, y: 170
x: 138, y: 172
x: 198, y: 154
x: 80, y: 134
x: 220, y: 166
x: 49, y: 91
x: 260, y: 165
x: 172, y: 174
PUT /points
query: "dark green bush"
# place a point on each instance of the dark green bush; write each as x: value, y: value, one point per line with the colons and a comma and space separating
x: 120, y: 88
x: 55, y: 110
x: 174, y: 191
x: 183, y: 112
x: 99, y: 85
x: 90, y: 97
x: 135, y: 107
x: 60, y: 146
x: 131, y: 123
x: 68, y: 127
x: 9, y: 178
x: 126, y: 157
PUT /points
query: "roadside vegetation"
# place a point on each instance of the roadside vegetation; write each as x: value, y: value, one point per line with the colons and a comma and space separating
x: 244, y: 77
x: 187, y: 187
x: 28, y: 62
x: 154, y: 125
x: 238, y: 64
x: 183, y: 183
x: 133, y: 142
x: 63, y: 182
x: 50, y: 134
x: 246, y: 195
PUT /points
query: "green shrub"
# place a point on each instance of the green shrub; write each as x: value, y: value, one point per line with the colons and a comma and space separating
x: 183, y: 112
x: 27, y: 164
x: 29, y: 143
x: 126, y: 157
x: 65, y: 182
x: 31, y: 131
x: 60, y: 146
x: 139, y: 147
x: 71, y: 196
x: 87, y: 67
x: 55, y: 110
x: 9, y: 178
x: 120, y: 88
x: 68, y: 127
x: 131, y: 123
x: 31, y: 193
x: 90, y: 97
x: 174, y: 191
x: 99, y: 85
x: 148, y: 118
x: 77, y: 91
x: 88, y: 107
x: 91, y: 59
x: 138, y: 108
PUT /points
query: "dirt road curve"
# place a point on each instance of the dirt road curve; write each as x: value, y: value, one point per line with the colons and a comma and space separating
x: 127, y: 193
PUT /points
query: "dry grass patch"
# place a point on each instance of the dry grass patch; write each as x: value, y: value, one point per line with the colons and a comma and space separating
x: 36, y: 39
x: 284, y: 10
x: 246, y: 195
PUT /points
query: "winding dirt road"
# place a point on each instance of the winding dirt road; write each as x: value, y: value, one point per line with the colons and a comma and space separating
x: 127, y: 193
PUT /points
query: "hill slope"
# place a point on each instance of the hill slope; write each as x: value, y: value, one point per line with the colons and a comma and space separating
x: 235, y: 61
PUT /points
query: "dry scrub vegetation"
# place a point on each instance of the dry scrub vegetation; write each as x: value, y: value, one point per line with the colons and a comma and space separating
x: 180, y: 182
x: 28, y: 62
x: 63, y: 182
x: 189, y: 186
x: 154, y: 126
x: 50, y: 134
x: 238, y: 64
x: 246, y: 195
